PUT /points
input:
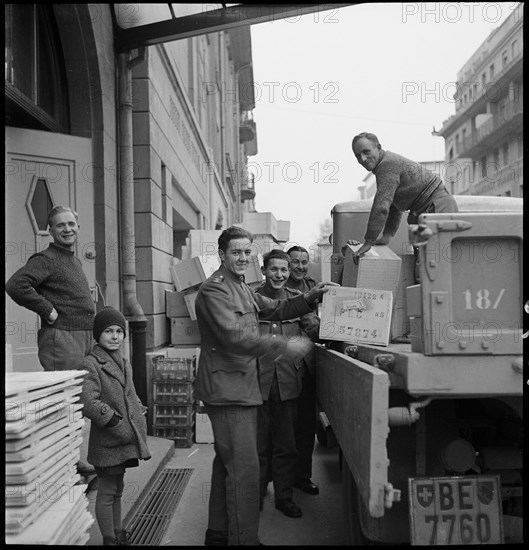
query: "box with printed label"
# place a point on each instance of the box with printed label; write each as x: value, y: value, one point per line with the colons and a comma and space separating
x: 378, y: 268
x: 357, y: 315
x: 194, y: 271
x: 184, y: 331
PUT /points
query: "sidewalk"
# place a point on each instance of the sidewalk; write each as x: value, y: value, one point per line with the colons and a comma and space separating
x: 137, y: 482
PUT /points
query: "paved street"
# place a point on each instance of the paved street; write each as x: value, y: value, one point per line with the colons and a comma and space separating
x: 321, y: 523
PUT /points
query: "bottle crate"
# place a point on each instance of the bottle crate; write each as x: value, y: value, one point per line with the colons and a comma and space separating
x: 182, y: 436
x: 173, y: 415
x: 171, y: 368
x: 177, y: 392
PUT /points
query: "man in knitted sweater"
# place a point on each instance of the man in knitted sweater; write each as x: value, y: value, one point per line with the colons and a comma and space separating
x: 54, y: 286
x: 402, y: 184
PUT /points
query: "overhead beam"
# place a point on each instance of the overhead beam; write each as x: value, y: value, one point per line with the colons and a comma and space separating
x: 212, y: 21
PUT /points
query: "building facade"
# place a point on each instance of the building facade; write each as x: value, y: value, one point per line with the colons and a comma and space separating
x: 144, y: 144
x: 484, y: 138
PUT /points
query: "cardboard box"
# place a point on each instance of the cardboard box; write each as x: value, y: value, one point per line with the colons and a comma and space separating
x: 189, y: 298
x: 193, y: 272
x: 357, y: 315
x: 400, y: 323
x: 378, y: 268
x: 184, y: 331
x: 175, y: 305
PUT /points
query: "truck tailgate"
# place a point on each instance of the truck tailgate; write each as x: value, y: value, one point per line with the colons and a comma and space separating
x: 354, y: 396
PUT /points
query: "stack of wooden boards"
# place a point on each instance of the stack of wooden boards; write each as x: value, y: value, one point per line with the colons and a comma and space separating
x: 43, y: 438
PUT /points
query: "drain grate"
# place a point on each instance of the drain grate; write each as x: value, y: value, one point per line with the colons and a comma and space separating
x: 155, y: 512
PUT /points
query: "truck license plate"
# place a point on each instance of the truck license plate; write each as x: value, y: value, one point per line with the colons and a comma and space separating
x: 455, y: 510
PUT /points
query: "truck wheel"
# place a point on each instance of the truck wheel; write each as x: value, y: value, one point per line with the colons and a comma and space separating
x: 352, y: 507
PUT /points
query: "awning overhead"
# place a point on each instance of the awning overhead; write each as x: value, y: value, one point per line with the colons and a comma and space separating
x: 140, y: 25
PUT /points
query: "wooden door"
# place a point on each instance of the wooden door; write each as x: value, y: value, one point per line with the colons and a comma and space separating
x: 43, y: 169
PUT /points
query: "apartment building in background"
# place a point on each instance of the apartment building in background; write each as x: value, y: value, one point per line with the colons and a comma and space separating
x: 484, y: 138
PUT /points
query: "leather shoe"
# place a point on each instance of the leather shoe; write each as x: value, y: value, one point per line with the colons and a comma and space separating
x: 216, y: 538
x: 289, y: 508
x: 307, y: 486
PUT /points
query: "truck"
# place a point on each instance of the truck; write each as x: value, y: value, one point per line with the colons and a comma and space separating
x: 430, y: 426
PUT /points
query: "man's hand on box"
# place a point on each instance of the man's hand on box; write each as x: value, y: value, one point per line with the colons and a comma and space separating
x: 315, y: 293
x: 361, y: 251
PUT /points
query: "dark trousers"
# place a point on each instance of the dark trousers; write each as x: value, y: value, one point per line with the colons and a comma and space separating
x: 276, y: 443
x: 439, y: 202
x: 306, y: 426
x: 234, y: 494
x: 62, y: 349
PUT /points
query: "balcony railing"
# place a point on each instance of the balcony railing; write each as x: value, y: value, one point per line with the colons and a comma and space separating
x: 498, y: 178
x: 493, y: 124
x: 248, y: 189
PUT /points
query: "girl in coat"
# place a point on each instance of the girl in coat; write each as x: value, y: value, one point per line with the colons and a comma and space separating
x: 118, y: 433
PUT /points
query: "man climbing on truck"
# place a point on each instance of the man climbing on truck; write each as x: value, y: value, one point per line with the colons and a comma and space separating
x: 402, y: 184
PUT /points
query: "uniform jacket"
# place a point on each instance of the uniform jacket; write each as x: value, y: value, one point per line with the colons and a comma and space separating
x: 310, y: 324
x: 289, y: 373
x: 109, y: 390
x: 228, y: 313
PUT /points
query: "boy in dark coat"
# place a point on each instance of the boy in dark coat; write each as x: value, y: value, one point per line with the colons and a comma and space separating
x: 118, y: 434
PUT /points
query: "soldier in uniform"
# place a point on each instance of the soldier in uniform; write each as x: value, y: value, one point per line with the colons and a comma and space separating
x: 306, y: 423
x: 280, y: 382
x: 228, y: 313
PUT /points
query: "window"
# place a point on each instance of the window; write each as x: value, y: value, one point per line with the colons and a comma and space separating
x: 491, y: 71
x: 514, y: 48
x: 504, y: 59
x: 506, y: 153
x: 36, y: 85
x: 483, y: 80
x: 483, y: 164
x: 496, y: 158
x: 40, y: 203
